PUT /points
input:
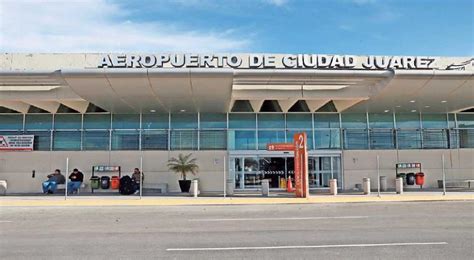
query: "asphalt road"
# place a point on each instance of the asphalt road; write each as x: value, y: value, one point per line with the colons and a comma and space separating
x: 429, y: 230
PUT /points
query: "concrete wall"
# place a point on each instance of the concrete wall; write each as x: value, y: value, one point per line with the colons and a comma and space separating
x: 16, y: 167
x: 359, y: 164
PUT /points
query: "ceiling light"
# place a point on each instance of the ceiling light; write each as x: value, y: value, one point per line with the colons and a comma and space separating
x: 323, y: 87
x: 443, y: 101
x: 182, y: 110
x: 413, y: 111
x: 412, y: 101
x: 399, y: 106
x: 427, y: 106
x: 386, y: 111
x: 152, y: 110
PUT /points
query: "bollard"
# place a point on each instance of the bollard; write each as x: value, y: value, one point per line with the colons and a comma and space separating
x: 265, y: 187
x: 195, y: 188
x: 333, y: 186
x: 230, y: 187
x: 366, y: 185
x: 383, y: 183
x: 399, y: 185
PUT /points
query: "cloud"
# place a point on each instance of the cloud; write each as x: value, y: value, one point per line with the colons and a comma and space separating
x: 278, y: 3
x: 100, y: 26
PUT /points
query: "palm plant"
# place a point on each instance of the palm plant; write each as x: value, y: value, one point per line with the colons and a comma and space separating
x: 183, y: 164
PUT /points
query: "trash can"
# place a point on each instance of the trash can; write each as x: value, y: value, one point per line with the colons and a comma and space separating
x: 95, y: 182
x: 411, y: 178
x: 383, y: 183
x: 115, y: 182
x: 104, y: 182
x: 403, y: 176
x: 420, y: 178
x: 333, y: 186
x: 366, y: 185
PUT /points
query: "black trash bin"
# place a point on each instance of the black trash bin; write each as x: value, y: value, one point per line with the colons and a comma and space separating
x: 104, y: 182
x: 411, y: 178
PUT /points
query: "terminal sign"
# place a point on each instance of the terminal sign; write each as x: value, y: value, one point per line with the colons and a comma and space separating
x: 264, y: 61
x: 16, y: 142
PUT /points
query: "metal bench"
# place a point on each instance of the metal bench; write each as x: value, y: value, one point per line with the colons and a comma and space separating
x: 155, y: 187
x: 63, y: 187
x: 455, y: 183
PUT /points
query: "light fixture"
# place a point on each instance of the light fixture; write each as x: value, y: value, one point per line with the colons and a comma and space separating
x: 182, y: 110
x: 412, y: 101
x: 152, y: 110
x: 427, y: 106
x: 386, y: 111
x: 413, y: 111
x: 398, y: 106
x: 443, y: 101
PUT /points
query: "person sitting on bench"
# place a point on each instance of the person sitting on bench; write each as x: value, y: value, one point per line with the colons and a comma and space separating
x: 76, y: 178
x: 49, y: 186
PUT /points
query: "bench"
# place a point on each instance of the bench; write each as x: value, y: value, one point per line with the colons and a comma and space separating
x: 456, y: 183
x: 155, y: 187
x: 63, y: 187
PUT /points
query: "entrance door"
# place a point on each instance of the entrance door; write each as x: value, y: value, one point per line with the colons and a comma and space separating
x: 247, y: 171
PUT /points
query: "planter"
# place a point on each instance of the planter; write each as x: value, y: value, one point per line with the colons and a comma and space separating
x: 184, y: 185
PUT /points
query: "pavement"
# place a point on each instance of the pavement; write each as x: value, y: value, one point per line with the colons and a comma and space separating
x: 371, y: 230
x: 246, y: 199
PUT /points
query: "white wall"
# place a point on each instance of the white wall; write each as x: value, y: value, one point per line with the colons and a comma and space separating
x: 16, y: 167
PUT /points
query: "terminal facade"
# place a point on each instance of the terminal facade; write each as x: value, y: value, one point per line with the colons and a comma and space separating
x: 129, y: 110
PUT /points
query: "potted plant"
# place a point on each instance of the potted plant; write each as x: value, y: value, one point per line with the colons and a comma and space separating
x: 183, y: 164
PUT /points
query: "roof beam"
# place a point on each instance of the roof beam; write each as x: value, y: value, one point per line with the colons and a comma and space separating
x: 15, y: 105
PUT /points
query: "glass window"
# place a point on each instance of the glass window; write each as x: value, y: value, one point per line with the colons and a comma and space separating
x: 67, y: 121
x: 95, y: 140
x: 38, y: 122
x: 354, y: 121
x: 11, y: 122
x: 409, y: 139
x: 155, y: 121
x: 435, y: 138
x: 309, y: 135
x: 241, y: 140
x: 355, y: 139
x: 213, y: 140
x: 384, y: 120
x: 326, y: 121
x: 266, y: 137
x: 434, y: 120
x: 96, y: 121
x: 67, y: 140
x: 125, y: 140
x: 451, y: 121
x: 184, y: 140
x: 125, y: 121
x: 213, y: 120
x: 239, y: 121
x: 184, y: 121
x: 466, y: 138
x: 42, y: 140
x: 155, y: 140
x: 408, y: 120
x: 271, y: 121
x: 382, y: 139
x: 465, y: 120
x: 299, y: 121
x: 327, y: 138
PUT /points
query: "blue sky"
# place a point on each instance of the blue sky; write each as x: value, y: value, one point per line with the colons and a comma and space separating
x: 385, y: 27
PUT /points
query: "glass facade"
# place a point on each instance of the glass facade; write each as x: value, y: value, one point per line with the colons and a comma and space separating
x: 241, y: 131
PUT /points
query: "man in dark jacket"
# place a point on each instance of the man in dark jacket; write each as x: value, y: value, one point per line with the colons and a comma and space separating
x: 76, y: 178
x: 49, y: 186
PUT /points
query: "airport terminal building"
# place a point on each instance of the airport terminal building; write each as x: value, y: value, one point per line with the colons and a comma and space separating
x: 133, y: 110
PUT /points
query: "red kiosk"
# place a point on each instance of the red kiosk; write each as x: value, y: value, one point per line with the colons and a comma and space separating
x: 299, y: 147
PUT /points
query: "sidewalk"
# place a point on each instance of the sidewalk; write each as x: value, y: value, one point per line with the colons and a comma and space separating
x: 48, y: 201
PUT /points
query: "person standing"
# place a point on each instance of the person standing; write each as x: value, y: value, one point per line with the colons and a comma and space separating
x: 76, y: 178
x: 50, y: 185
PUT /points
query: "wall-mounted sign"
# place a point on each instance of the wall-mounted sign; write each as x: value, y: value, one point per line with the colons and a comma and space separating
x: 264, y: 61
x: 16, y: 142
